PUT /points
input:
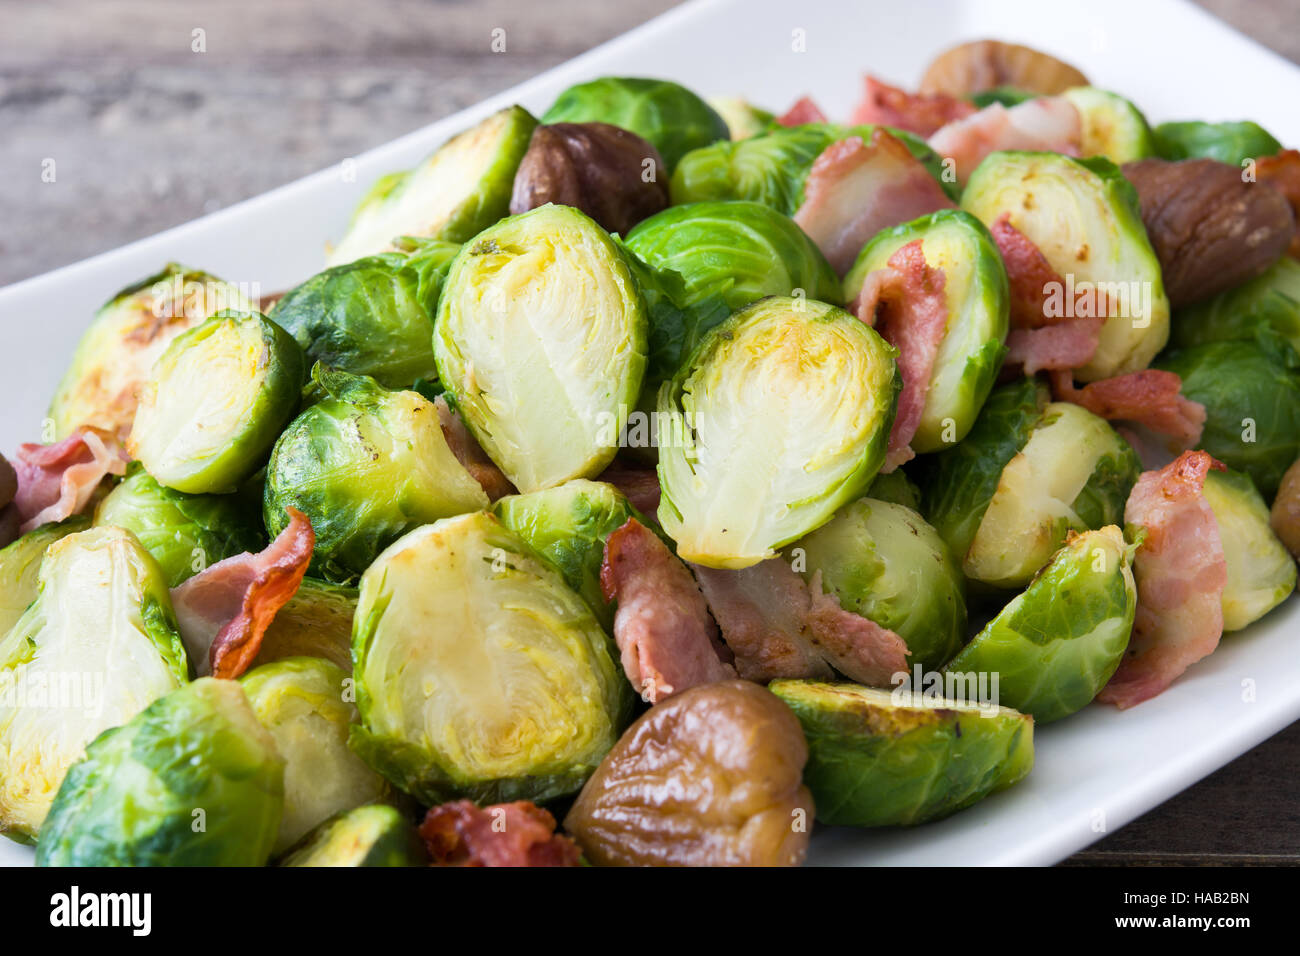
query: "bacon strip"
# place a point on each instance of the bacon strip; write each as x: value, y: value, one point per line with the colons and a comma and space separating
x: 920, y: 113
x: 640, y: 484
x: 1049, y: 123
x: 469, y: 453
x: 906, y: 304
x: 1282, y: 172
x: 224, y: 610
x: 778, y: 625
x: 506, y: 834
x: 1151, y: 397
x: 1065, y: 346
x: 857, y: 188
x: 57, y: 481
x: 1180, y: 573
x: 803, y: 111
x: 665, y: 636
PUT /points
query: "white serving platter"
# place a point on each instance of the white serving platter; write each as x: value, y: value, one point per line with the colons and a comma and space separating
x: 1096, y: 770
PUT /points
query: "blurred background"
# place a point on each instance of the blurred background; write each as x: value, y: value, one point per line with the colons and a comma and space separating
x: 158, y: 112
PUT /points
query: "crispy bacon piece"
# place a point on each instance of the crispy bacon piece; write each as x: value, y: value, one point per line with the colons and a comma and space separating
x: 470, y: 454
x: 1047, y: 123
x: 1282, y: 172
x: 778, y: 625
x: 920, y: 113
x: 857, y: 188
x: 803, y: 111
x: 1180, y: 573
x: 57, y: 481
x: 1151, y: 397
x: 1065, y: 346
x: 665, y: 636
x: 224, y: 610
x: 906, y: 305
x: 506, y: 834
x: 640, y: 483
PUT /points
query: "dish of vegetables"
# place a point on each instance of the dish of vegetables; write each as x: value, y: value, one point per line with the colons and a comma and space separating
x: 658, y: 479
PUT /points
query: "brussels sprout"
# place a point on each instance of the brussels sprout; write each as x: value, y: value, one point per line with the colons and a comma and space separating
x: 781, y: 416
x: 1268, y: 304
x: 1056, y: 645
x: 305, y: 703
x: 192, y: 780
x: 184, y: 533
x: 975, y: 291
x: 884, y: 562
x: 1230, y: 143
x: 742, y: 117
x: 541, y: 339
x: 1112, y: 126
x: 1007, y: 96
x: 896, y: 488
x: 20, y: 565
x: 458, y: 191
x: 769, y: 168
x: 365, y: 465
x: 128, y: 334
x: 373, y: 316
x: 479, y: 673
x: 1251, y: 394
x: 1027, y: 474
x: 215, y: 402
x: 316, y: 622
x: 1083, y: 215
x: 881, y: 758
x: 99, y: 643
x: 670, y: 117
x: 374, y: 835
x: 568, y: 525
x: 735, y: 249
x: 1261, y: 574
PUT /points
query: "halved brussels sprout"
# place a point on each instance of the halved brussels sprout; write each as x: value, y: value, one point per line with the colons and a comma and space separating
x: 1268, y: 304
x: 881, y: 758
x: 20, y: 566
x: 305, y: 704
x: 568, y: 526
x: 1251, y: 394
x: 192, y: 780
x: 780, y: 417
x: 479, y: 673
x: 769, y: 168
x: 215, y: 401
x: 461, y: 189
x: 541, y: 339
x: 365, y: 465
x: 1112, y: 126
x: 184, y: 533
x: 1083, y: 216
x: 374, y: 835
x: 98, y: 645
x: 742, y: 117
x: 317, y: 622
x: 975, y: 290
x: 1261, y: 574
x: 1006, y: 497
x: 373, y: 316
x: 883, y: 561
x: 667, y: 115
x: 735, y: 249
x: 1227, y: 142
x: 1054, y: 647
x: 128, y: 334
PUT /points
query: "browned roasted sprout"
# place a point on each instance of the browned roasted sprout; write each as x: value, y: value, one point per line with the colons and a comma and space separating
x: 710, y: 777
x: 614, y: 176
x: 986, y: 64
x: 1210, y: 229
x: 1286, y: 510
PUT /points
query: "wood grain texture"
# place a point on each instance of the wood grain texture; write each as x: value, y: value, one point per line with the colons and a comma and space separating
x: 147, y: 133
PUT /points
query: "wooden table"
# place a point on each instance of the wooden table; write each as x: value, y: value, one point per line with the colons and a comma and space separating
x: 147, y: 133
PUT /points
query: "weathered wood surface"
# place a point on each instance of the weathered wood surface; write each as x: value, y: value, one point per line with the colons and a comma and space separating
x: 147, y: 133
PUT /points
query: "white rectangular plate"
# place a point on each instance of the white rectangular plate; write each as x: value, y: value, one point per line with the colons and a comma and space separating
x: 1096, y: 770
